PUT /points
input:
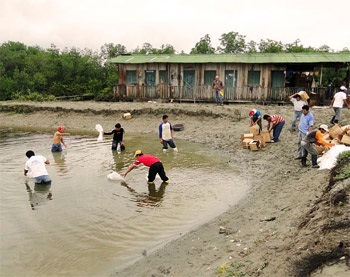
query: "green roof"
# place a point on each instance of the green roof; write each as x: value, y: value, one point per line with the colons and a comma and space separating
x: 280, y: 58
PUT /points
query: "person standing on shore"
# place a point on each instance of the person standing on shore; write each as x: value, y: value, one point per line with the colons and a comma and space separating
x: 338, y: 101
x: 58, y: 139
x: 298, y: 104
x: 305, y: 126
x: 275, y: 123
x: 255, y: 118
x: 118, y: 137
x: 166, y: 134
x: 315, y: 136
x: 155, y: 167
x: 218, y: 90
x: 35, y: 166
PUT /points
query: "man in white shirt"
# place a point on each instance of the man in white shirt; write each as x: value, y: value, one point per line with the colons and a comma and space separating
x: 298, y: 107
x: 166, y: 134
x: 35, y: 166
x: 338, y: 101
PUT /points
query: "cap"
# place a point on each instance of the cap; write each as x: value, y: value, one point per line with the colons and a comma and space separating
x: 60, y: 128
x: 343, y: 88
x: 324, y: 127
x: 137, y: 152
x: 252, y: 112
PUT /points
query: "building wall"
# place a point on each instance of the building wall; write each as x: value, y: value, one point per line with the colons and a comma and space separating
x: 176, y: 79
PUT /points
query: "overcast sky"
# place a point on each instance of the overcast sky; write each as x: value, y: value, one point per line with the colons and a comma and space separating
x: 180, y: 23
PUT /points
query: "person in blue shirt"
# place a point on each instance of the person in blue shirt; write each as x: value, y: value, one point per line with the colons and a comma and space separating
x: 255, y: 118
x: 305, y: 126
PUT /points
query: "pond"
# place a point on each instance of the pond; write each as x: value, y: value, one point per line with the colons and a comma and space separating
x: 87, y: 225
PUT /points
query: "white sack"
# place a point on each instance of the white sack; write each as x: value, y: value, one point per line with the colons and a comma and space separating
x: 329, y: 159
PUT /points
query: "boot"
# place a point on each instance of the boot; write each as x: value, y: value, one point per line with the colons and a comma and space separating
x: 332, y: 120
x: 303, y: 161
x: 314, y: 161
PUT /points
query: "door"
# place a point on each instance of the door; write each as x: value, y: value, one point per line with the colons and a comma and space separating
x: 189, y: 83
x: 150, y: 83
x: 277, y: 84
x: 230, y: 84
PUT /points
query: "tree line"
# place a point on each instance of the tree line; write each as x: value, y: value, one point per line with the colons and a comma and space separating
x: 34, y: 73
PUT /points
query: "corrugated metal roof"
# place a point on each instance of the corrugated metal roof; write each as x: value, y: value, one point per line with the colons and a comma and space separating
x: 236, y: 58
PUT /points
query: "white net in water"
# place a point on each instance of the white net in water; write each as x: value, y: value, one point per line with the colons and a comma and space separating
x: 115, y: 177
x: 99, y: 129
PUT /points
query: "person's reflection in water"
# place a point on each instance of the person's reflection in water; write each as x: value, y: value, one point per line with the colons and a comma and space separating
x: 40, y: 195
x: 154, y: 194
x: 118, y: 161
x: 59, y: 158
x: 153, y: 198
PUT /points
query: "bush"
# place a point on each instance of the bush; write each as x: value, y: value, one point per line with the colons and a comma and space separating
x: 33, y: 96
x: 105, y: 95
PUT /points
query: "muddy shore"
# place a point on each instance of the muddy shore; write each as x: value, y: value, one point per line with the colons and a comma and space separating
x: 277, y: 230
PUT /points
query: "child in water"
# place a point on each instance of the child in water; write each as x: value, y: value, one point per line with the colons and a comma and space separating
x: 58, y: 139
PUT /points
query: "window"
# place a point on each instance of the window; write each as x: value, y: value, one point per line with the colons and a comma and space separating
x: 131, y: 78
x: 209, y: 77
x: 163, y: 77
x: 253, y: 78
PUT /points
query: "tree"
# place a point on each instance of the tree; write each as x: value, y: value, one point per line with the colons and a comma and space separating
x: 166, y: 49
x: 203, y: 46
x: 110, y: 50
x: 270, y: 46
x: 251, y: 47
x: 324, y: 48
x: 296, y: 47
x: 146, y: 49
x: 232, y: 42
x: 28, y: 71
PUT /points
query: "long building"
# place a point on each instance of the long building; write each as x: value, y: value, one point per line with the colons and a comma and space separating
x: 246, y: 77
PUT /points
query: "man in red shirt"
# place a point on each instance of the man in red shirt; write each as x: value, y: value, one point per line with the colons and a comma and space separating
x: 275, y: 123
x: 154, y: 164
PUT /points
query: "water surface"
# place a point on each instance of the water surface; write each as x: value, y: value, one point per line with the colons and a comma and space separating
x: 87, y: 225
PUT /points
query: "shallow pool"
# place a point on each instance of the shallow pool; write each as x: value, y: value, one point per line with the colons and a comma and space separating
x: 87, y: 225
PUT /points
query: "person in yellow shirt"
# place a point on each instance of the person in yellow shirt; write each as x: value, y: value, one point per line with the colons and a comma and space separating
x: 314, y: 137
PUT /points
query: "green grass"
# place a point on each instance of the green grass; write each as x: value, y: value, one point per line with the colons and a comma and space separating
x: 230, y: 269
x: 342, y: 170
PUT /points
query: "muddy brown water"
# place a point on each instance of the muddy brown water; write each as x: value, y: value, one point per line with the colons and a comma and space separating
x: 87, y: 225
